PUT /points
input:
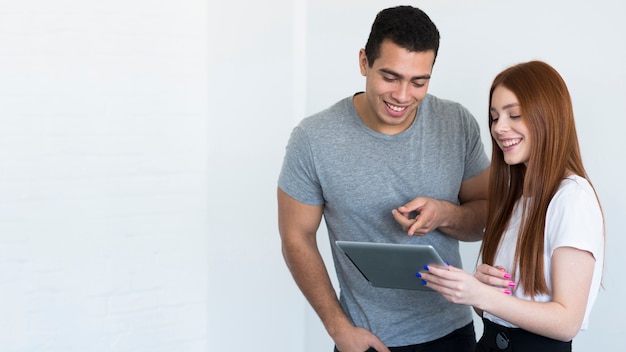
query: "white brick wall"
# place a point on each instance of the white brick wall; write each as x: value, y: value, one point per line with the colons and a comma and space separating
x: 103, y: 175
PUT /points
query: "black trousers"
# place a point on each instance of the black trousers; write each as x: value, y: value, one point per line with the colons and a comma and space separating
x: 460, y: 340
x: 497, y: 338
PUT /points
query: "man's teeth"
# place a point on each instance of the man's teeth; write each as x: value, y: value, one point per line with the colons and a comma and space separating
x: 510, y: 142
x: 396, y: 108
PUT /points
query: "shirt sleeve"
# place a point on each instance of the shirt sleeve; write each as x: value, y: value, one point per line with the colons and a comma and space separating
x: 574, y: 218
x: 298, y: 177
x: 477, y: 160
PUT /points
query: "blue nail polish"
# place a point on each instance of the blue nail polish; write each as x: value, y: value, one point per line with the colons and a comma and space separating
x: 424, y: 282
x: 426, y: 267
x: 418, y: 275
x: 448, y: 264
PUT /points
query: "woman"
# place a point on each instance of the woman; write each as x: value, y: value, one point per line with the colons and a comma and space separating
x: 543, y: 248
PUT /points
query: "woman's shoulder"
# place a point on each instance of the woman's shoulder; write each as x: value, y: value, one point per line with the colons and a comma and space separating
x: 574, y: 184
x: 575, y: 192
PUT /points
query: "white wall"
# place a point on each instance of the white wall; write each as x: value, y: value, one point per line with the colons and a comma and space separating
x: 140, y: 143
x: 103, y: 181
x: 254, y: 89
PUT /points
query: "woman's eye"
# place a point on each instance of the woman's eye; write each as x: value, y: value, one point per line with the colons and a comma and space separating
x: 515, y: 116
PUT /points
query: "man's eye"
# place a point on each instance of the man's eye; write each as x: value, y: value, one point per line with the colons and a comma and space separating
x: 388, y: 79
x: 418, y: 85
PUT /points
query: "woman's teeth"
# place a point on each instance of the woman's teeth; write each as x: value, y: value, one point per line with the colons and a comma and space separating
x: 511, y: 142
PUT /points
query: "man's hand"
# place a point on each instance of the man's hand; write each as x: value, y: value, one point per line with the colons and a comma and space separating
x: 357, y: 339
x: 464, y: 222
x: 431, y: 214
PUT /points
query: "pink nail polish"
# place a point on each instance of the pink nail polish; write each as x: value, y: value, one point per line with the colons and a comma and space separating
x: 511, y: 283
x: 507, y: 292
x: 507, y: 276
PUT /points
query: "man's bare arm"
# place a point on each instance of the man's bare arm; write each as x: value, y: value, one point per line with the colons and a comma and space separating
x: 464, y: 222
x: 298, y: 224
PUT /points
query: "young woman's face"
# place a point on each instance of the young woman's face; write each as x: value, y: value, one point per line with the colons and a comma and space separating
x: 508, y: 128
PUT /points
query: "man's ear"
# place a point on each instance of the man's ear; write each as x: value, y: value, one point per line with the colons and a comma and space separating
x: 363, y: 64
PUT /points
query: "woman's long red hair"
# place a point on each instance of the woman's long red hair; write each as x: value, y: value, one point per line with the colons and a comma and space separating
x: 546, y: 108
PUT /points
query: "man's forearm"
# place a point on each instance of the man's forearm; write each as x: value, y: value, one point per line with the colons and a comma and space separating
x: 310, y: 274
x: 466, y: 222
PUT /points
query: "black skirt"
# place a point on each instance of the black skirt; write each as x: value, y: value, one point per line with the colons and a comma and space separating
x: 498, y: 338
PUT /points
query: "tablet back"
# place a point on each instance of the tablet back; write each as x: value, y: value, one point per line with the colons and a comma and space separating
x: 391, y: 265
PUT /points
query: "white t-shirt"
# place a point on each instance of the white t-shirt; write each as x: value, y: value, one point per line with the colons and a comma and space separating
x: 573, y: 220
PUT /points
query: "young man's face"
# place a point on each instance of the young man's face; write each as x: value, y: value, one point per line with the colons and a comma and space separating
x: 395, y: 85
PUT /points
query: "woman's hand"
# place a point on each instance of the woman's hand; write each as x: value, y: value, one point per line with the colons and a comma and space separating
x: 495, y: 276
x: 460, y: 287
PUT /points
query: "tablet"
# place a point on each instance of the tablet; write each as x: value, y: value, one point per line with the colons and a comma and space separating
x: 391, y: 265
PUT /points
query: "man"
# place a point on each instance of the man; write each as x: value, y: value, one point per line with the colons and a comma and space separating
x: 360, y: 164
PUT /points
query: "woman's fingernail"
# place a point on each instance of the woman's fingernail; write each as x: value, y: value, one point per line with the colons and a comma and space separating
x: 507, y: 292
x: 426, y: 267
x: 511, y: 283
x: 418, y: 275
x: 448, y: 264
x: 424, y: 282
x: 507, y: 276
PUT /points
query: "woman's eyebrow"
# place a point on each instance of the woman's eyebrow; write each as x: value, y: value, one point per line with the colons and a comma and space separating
x: 507, y: 106
x: 512, y: 105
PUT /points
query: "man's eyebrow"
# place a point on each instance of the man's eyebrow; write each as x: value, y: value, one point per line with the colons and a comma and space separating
x: 395, y: 74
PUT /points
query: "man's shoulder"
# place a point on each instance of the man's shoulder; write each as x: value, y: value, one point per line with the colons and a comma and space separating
x: 436, y: 103
x: 446, y: 112
x: 329, y: 117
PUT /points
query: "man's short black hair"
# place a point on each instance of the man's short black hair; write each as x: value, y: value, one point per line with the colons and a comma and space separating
x: 407, y: 27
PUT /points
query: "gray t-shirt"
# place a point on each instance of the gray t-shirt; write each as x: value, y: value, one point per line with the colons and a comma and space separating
x: 359, y: 175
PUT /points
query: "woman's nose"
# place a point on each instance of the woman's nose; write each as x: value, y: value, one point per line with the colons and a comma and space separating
x: 500, y: 126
